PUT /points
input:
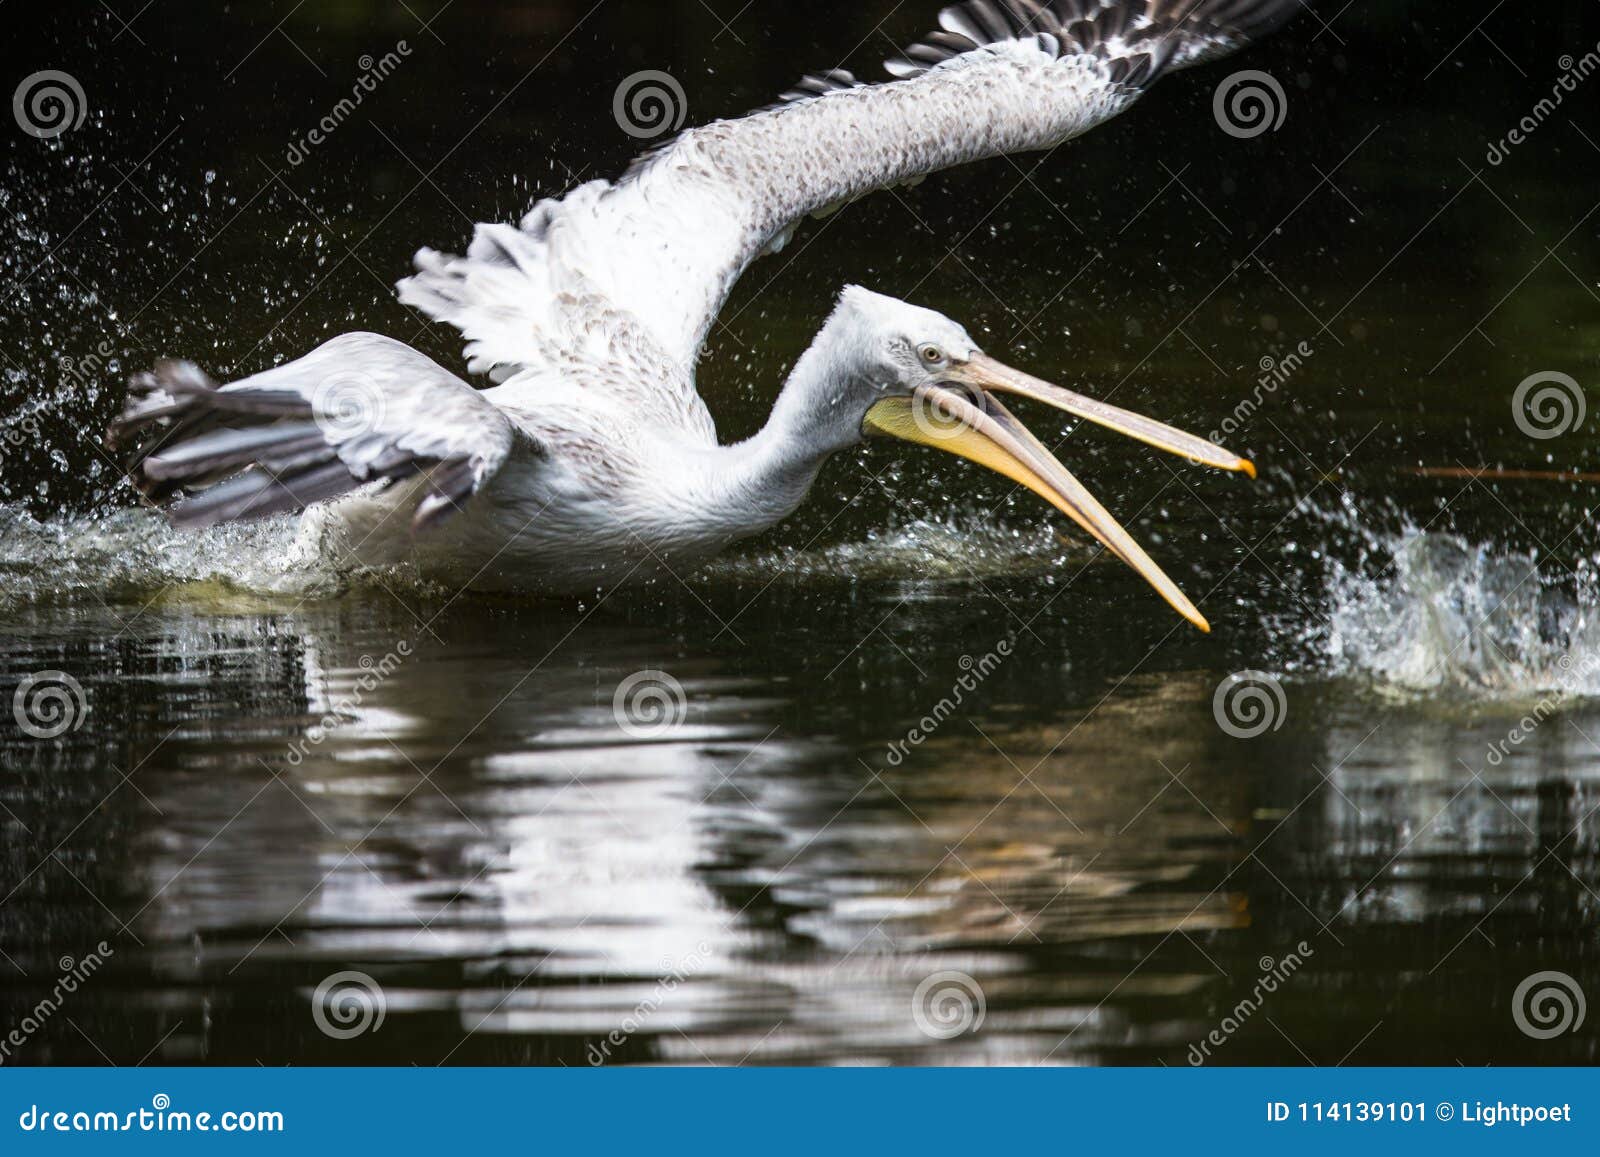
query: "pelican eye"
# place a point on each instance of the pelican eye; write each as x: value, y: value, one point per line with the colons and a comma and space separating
x: 931, y: 354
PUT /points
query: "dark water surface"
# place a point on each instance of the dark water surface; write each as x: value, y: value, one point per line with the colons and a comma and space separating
x: 918, y: 777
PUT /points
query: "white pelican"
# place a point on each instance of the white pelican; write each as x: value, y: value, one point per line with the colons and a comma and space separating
x: 594, y: 458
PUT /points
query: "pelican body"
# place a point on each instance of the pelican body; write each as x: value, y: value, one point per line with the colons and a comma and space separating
x: 592, y: 458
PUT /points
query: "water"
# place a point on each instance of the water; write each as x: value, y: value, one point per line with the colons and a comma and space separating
x: 918, y: 777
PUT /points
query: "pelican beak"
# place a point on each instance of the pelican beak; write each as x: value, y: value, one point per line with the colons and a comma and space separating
x: 960, y: 414
x: 984, y: 373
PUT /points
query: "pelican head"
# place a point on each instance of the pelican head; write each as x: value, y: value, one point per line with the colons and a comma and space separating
x: 914, y: 374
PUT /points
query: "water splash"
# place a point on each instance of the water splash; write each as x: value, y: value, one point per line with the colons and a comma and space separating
x: 1415, y: 612
x: 134, y: 555
x: 1407, y: 612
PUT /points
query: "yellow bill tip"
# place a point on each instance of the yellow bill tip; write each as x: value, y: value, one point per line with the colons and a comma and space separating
x: 1247, y: 468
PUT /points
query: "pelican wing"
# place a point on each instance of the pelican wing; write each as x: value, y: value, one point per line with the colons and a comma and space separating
x: 356, y: 410
x: 666, y: 243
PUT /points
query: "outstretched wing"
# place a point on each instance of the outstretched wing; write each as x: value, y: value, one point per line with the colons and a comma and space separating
x: 356, y: 410
x: 667, y: 242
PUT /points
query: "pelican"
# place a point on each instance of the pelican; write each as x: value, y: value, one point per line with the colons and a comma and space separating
x: 592, y: 458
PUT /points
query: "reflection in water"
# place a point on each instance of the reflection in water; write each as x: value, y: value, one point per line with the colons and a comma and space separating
x: 526, y: 881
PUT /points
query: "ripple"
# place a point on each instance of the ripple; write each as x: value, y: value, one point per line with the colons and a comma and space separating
x: 950, y: 550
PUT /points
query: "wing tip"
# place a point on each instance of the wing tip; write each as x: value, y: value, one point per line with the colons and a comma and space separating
x: 1138, y: 39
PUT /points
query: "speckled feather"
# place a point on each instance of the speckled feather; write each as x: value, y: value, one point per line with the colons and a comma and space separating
x: 667, y: 242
